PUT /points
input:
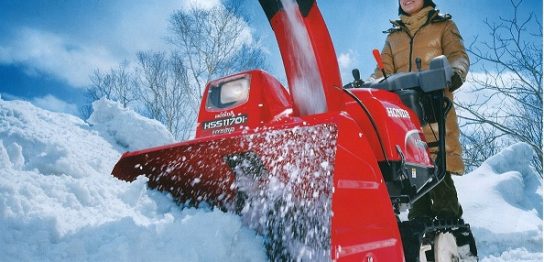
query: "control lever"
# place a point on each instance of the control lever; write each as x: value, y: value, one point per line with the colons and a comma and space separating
x: 378, y: 58
x: 357, y: 82
x: 356, y: 74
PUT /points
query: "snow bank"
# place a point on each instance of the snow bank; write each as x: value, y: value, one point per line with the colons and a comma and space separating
x: 126, y: 128
x: 59, y: 203
x: 52, y: 143
x: 502, y: 201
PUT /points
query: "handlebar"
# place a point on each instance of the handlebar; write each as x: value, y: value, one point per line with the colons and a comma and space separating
x: 437, y: 77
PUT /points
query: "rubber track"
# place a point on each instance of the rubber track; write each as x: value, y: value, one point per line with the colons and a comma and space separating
x: 422, y: 231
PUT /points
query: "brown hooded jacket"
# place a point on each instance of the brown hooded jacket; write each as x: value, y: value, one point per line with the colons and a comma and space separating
x: 438, y: 36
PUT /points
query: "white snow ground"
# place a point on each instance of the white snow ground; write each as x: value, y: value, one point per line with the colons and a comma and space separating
x: 58, y: 201
x: 502, y: 200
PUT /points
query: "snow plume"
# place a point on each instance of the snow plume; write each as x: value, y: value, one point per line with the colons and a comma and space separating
x: 281, y: 184
x: 289, y: 199
x: 502, y: 201
x: 306, y: 86
x: 58, y: 201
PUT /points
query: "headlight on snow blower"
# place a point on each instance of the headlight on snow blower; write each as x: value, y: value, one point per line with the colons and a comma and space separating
x: 228, y: 94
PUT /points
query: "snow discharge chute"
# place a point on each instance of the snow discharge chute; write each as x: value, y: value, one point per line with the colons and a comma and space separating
x: 308, y: 55
x: 319, y: 173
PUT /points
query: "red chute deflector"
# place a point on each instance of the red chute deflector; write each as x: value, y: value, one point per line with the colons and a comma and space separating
x: 308, y: 55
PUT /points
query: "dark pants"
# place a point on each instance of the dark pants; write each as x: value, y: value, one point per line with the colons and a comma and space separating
x: 441, y: 202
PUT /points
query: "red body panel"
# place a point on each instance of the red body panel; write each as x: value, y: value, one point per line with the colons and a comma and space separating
x: 363, y: 224
x: 397, y: 126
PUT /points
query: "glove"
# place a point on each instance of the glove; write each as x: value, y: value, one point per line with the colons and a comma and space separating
x: 355, y: 84
x: 456, y: 82
x: 358, y: 83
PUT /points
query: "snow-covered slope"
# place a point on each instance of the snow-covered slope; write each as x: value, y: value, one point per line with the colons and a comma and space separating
x: 58, y: 201
x: 125, y: 129
x: 502, y: 201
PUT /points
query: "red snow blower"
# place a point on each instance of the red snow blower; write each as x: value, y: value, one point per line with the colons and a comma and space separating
x: 321, y: 171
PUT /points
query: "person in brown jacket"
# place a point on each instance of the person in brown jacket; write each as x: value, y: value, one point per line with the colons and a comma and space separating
x: 421, y: 32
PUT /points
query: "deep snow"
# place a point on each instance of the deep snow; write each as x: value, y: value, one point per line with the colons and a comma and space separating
x: 502, y: 200
x: 59, y: 202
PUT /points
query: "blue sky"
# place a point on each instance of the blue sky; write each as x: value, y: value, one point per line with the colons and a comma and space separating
x: 48, y: 49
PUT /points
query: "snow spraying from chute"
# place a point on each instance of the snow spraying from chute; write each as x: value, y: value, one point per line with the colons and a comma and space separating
x: 290, y: 203
x: 306, y: 87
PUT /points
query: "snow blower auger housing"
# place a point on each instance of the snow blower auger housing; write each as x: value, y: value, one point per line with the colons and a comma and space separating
x: 320, y: 171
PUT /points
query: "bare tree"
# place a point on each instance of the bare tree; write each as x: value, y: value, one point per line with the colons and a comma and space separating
x: 507, y: 98
x: 213, y: 43
x: 161, y: 80
x: 479, y: 143
x: 116, y: 85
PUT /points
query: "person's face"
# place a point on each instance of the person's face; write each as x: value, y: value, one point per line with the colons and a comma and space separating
x: 411, y: 6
